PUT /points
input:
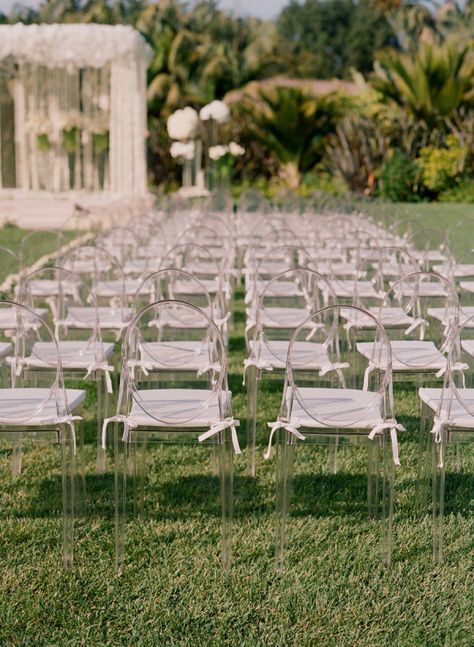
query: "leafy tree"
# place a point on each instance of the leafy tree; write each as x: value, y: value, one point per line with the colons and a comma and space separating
x: 326, y: 38
x: 294, y: 125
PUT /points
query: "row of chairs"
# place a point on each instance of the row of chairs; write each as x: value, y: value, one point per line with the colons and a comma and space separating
x: 336, y: 356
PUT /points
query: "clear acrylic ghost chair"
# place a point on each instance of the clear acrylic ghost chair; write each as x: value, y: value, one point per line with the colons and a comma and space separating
x: 41, y: 414
x: 418, y: 341
x: 82, y: 353
x: 320, y: 408
x: 102, y: 273
x: 431, y: 247
x: 32, y: 240
x: 184, y: 329
x: 169, y: 406
x: 272, y: 323
x: 447, y: 429
x: 275, y: 261
x: 197, y: 260
x: 392, y: 264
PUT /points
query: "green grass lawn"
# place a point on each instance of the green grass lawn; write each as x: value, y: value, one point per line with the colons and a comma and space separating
x: 334, y: 590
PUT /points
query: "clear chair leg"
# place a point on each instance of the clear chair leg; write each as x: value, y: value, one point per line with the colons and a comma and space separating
x: 373, y: 453
x: 424, y: 458
x: 101, y: 413
x: 68, y: 465
x: 17, y: 455
x: 252, y: 395
x: 438, y: 454
x: 333, y: 451
x: 226, y: 457
x: 284, y: 480
x: 138, y: 451
x: 121, y: 450
x: 388, y: 484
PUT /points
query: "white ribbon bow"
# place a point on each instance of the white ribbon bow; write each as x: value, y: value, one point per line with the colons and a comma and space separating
x: 102, y: 366
x: 128, y: 424
x: 394, y: 426
x: 70, y: 420
x: 414, y: 325
x: 437, y: 430
x: 275, y: 426
x: 258, y: 363
x: 220, y: 426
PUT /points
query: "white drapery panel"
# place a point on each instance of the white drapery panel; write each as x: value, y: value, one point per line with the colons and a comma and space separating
x: 79, y: 106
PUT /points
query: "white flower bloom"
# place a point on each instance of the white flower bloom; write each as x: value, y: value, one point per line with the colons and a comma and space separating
x: 183, y: 150
x: 236, y: 149
x: 183, y: 124
x: 216, y: 152
x: 217, y: 110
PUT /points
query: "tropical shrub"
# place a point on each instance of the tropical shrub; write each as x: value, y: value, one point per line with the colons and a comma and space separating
x: 441, y: 167
x: 295, y: 125
x: 462, y: 191
x: 399, y: 178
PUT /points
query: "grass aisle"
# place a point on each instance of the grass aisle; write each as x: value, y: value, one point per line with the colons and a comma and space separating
x: 172, y: 592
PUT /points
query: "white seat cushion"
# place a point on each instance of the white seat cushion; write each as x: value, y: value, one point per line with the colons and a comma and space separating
x: 305, y: 355
x: 349, y: 289
x: 459, y: 414
x: 20, y: 406
x: 344, y: 408
x: 8, y: 318
x: 281, y: 318
x: 175, y: 356
x: 109, y: 318
x: 74, y: 354
x: 51, y: 288
x: 407, y: 355
x: 111, y: 289
x: 389, y: 317
x: 181, y: 408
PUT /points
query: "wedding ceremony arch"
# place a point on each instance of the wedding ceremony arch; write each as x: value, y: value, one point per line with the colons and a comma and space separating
x: 73, y: 108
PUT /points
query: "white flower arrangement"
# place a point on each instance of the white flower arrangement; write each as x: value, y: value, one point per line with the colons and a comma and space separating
x: 216, y: 152
x: 183, y: 124
x: 183, y: 150
x: 236, y: 150
x: 217, y: 110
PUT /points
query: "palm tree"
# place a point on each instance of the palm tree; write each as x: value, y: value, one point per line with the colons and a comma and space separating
x: 431, y: 85
x: 295, y: 125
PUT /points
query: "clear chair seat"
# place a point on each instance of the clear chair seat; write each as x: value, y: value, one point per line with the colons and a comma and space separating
x: 388, y: 316
x: 458, y: 416
x: 306, y: 355
x: 326, y: 407
x: 8, y: 318
x: 109, y: 318
x: 73, y: 354
x: 279, y: 317
x: 180, y: 408
x: 175, y: 355
x: 23, y: 404
x: 349, y: 289
x: 407, y: 355
x: 52, y: 288
x: 112, y: 289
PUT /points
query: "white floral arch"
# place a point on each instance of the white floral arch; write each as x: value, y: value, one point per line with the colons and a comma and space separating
x: 73, y: 108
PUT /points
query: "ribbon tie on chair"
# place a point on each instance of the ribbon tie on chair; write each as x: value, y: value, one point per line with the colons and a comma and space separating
x: 372, y: 366
x: 221, y: 426
x: 106, y: 368
x: 457, y: 366
x: 261, y: 364
x: 394, y: 426
x: 70, y: 420
x: 418, y: 322
x: 138, y: 363
x: 439, y: 425
x: 128, y: 424
x: 275, y: 426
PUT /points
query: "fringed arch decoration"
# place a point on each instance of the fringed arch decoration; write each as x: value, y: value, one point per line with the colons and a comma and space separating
x: 73, y: 108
